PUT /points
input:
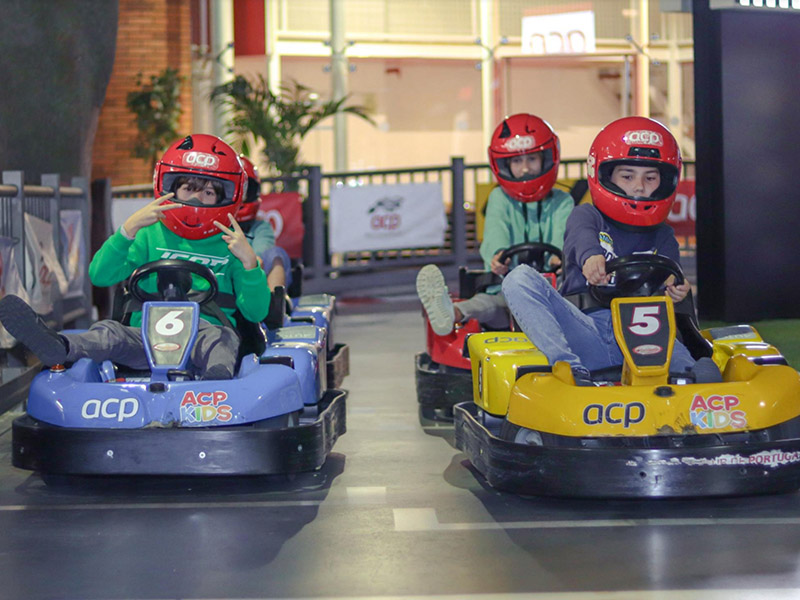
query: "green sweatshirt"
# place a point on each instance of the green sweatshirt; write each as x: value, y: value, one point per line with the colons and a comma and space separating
x: 510, y: 222
x: 118, y: 257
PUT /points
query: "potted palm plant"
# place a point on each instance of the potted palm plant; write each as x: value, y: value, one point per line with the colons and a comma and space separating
x: 157, y: 108
x: 279, y: 121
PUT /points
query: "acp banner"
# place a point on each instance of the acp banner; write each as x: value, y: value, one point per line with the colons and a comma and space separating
x: 44, y: 276
x: 10, y: 282
x: 284, y: 211
x: 73, y: 254
x: 684, y: 211
x: 386, y: 217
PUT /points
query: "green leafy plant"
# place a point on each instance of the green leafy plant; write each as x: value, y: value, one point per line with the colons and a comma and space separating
x: 157, y: 108
x: 279, y: 121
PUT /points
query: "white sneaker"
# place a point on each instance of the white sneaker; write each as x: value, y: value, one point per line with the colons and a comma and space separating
x: 435, y: 298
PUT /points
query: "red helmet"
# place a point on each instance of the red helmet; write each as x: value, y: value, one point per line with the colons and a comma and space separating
x: 519, y: 135
x: 249, y: 209
x: 636, y: 142
x: 202, y: 157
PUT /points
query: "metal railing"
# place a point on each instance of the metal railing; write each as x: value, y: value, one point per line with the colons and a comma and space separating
x: 46, y: 201
x: 394, y: 269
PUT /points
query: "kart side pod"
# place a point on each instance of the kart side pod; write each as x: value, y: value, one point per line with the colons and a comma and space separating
x: 496, y: 357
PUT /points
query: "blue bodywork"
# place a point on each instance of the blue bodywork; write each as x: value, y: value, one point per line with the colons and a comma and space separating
x: 98, y: 395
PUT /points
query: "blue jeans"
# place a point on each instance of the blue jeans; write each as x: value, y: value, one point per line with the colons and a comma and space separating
x: 562, y: 332
x: 277, y: 252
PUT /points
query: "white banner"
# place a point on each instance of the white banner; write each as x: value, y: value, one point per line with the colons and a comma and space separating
x: 563, y: 33
x: 385, y: 217
x: 73, y: 251
x: 10, y: 282
x: 42, y: 268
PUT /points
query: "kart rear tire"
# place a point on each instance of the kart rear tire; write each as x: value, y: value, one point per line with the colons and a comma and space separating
x: 519, y: 435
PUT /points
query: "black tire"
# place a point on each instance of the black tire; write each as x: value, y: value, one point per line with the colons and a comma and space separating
x: 519, y: 435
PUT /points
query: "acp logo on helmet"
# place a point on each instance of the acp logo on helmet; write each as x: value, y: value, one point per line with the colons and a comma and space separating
x: 200, y: 159
x: 643, y: 136
x: 519, y: 142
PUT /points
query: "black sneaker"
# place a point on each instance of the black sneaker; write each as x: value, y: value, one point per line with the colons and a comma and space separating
x: 217, y: 372
x: 706, y: 371
x: 31, y: 331
x: 582, y: 377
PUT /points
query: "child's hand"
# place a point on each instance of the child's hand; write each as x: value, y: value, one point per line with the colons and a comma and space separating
x: 555, y: 264
x: 499, y: 268
x: 594, y: 269
x: 677, y: 292
x: 148, y: 214
x: 238, y: 244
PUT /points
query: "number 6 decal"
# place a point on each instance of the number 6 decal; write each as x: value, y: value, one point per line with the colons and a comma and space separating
x: 170, y: 324
x: 645, y: 320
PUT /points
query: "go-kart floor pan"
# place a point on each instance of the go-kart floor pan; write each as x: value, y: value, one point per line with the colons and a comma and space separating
x: 759, y: 467
x: 240, y: 450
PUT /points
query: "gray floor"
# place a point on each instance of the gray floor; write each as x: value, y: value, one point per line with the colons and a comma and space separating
x: 396, y: 512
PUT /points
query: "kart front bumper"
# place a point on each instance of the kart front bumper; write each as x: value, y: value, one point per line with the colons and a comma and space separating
x: 253, y: 449
x: 338, y: 365
x: 440, y: 386
x: 620, y: 472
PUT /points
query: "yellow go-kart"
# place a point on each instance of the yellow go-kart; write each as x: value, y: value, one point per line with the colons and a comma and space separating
x: 642, y: 431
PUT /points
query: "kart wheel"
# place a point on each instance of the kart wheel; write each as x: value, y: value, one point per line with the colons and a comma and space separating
x: 520, y: 435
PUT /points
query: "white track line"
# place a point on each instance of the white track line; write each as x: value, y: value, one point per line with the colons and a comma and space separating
x: 425, y: 519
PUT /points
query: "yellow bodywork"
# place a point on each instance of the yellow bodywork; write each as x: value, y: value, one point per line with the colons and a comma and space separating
x: 742, y: 339
x: 750, y: 396
x: 495, y: 357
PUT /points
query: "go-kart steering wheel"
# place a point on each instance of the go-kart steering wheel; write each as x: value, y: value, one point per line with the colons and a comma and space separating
x: 174, y: 281
x: 636, y: 275
x: 532, y: 253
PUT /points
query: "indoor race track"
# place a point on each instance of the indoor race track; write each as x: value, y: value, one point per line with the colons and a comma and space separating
x: 396, y: 512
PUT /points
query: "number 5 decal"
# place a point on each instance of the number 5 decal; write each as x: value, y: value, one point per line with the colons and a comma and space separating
x: 170, y: 324
x: 645, y: 320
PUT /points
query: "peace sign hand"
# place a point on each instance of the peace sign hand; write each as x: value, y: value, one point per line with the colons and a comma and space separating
x: 148, y: 214
x: 237, y: 243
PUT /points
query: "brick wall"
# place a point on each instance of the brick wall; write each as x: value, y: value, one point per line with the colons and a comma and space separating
x: 152, y: 35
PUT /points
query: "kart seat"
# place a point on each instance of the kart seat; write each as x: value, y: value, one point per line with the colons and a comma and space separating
x: 295, y: 289
x: 474, y: 281
x: 689, y: 330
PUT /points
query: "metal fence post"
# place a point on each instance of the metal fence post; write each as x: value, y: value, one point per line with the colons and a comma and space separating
x: 459, y: 219
x: 317, y: 224
x: 17, y: 216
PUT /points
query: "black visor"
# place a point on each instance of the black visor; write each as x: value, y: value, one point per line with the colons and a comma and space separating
x: 170, y: 183
x: 504, y: 165
x: 668, y: 174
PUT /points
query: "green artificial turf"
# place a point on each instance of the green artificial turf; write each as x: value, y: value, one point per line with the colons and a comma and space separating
x: 784, y: 334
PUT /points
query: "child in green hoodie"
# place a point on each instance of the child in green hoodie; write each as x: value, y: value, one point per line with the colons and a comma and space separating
x: 199, y: 185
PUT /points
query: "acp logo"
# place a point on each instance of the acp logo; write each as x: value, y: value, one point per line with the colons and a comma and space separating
x: 643, y: 136
x: 614, y: 413
x: 519, y: 142
x: 200, y: 159
x: 110, y: 408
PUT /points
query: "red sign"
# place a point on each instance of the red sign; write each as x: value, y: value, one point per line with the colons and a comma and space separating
x: 285, y: 212
x: 684, y: 211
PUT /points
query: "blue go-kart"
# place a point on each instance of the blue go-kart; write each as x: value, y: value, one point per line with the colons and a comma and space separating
x: 277, y: 414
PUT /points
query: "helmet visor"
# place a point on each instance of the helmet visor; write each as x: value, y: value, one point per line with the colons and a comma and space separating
x: 525, y: 167
x: 639, y: 179
x: 196, y: 190
x: 253, y: 191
